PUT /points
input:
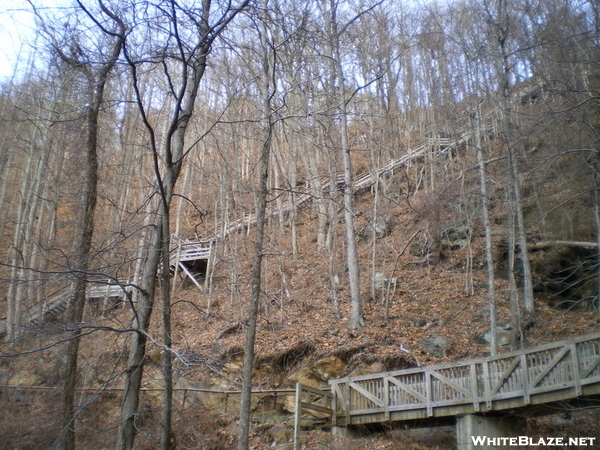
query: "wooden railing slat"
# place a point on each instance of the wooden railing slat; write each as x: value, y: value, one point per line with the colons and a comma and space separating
x: 507, y: 373
x: 576, y: 368
x: 452, y: 384
x: 590, y: 368
x: 366, y: 393
x: 407, y: 388
x: 557, y: 358
x: 474, y: 387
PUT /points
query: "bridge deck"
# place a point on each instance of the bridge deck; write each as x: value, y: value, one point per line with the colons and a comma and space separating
x: 553, y: 372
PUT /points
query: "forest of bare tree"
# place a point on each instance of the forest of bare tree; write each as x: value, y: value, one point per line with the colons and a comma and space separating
x: 136, y: 126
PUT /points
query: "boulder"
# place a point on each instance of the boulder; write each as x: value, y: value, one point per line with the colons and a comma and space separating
x: 308, y: 377
x: 366, y: 369
x: 330, y: 367
x: 434, y: 345
x: 455, y: 236
x: 318, y: 375
x: 382, y: 282
x: 25, y: 379
x: 315, y: 377
x: 232, y: 368
x: 378, y: 229
x: 418, y: 322
x: 286, y: 446
x: 280, y: 433
x: 505, y: 335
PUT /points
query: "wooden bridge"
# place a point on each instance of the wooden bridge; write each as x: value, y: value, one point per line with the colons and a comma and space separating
x: 553, y: 372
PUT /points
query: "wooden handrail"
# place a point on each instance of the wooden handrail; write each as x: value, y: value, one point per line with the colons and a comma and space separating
x: 563, y: 369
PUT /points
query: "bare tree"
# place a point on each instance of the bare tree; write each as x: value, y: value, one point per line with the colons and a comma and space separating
x: 94, y: 70
x: 187, y: 38
x: 330, y: 11
x: 501, y: 23
x: 487, y: 229
x: 267, y: 92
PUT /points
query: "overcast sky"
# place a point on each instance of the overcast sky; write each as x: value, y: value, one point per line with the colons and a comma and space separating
x: 17, y: 34
x: 16, y: 27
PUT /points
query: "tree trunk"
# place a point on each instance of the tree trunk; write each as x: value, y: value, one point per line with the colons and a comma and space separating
x: 84, y: 228
x: 167, y: 439
x: 337, y: 74
x: 597, y: 223
x: 261, y: 206
x: 501, y: 23
x: 356, y: 316
x: 191, y: 65
x: 488, y: 233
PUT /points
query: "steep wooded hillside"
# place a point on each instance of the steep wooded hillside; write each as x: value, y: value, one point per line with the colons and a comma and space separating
x: 429, y: 176
x: 430, y: 305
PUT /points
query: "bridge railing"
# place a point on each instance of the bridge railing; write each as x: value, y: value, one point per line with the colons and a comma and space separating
x: 558, y: 370
x: 95, y: 291
x: 186, y: 250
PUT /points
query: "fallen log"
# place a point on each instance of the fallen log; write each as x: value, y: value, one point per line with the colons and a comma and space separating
x: 545, y: 244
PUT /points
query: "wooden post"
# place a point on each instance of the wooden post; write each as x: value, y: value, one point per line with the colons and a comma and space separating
x: 575, y: 369
x: 208, y: 268
x: 474, y: 387
x: 334, y: 405
x: 106, y: 297
x: 386, y: 397
x: 487, y: 385
x: 525, y: 372
x: 428, y: 393
x: 297, y: 416
x: 348, y: 402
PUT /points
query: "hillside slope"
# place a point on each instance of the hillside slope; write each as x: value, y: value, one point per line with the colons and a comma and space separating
x: 430, y: 245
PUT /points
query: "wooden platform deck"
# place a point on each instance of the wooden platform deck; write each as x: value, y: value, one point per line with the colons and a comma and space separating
x: 184, y: 252
x: 553, y: 372
x: 188, y: 250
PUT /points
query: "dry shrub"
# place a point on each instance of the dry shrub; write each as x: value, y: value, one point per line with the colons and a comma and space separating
x: 29, y: 421
x: 208, y: 430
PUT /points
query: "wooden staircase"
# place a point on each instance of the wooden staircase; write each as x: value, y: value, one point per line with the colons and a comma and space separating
x: 59, y: 301
x: 361, y: 182
x: 186, y: 250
